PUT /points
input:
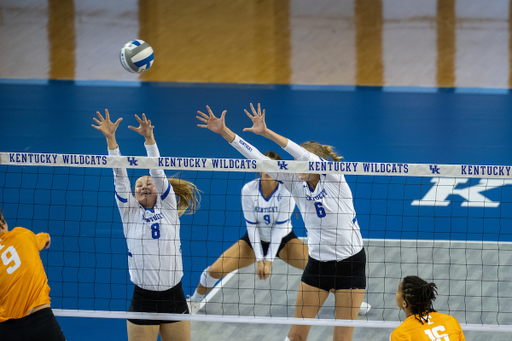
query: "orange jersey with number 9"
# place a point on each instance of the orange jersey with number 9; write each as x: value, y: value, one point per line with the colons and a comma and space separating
x: 23, y: 282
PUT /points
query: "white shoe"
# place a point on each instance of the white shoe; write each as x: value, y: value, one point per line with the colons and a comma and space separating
x: 193, y: 306
x: 365, y: 308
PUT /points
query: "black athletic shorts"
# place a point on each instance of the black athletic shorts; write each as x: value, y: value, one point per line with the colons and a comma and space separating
x: 39, y: 326
x: 171, y: 301
x: 349, y: 273
x: 266, y: 245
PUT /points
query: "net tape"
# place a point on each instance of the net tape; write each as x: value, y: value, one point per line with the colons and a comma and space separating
x: 244, y: 165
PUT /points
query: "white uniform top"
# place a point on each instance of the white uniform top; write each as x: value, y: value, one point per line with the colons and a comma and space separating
x: 152, y: 235
x: 328, y: 211
x: 267, y: 219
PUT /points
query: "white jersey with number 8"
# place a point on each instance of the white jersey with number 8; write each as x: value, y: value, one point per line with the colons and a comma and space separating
x: 152, y: 235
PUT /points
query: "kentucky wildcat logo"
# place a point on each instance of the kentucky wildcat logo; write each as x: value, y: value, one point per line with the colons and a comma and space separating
x: 473, y: 195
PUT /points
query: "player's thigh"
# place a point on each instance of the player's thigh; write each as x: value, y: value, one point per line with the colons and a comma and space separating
x: 238, y: 256
x: 176, y: 331
x: 309, y: 300
x: 295, y: 253
x: 347, y: 303
x: 142, y: 332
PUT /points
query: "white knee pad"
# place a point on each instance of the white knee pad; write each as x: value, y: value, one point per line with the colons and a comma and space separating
x: 206, y: 280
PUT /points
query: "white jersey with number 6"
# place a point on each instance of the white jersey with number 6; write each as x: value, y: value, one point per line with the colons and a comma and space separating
x: 152, y: 235
x: 328, y: 211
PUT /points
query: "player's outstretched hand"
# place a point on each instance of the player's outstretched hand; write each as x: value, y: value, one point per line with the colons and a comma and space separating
x: 145, y: 128
x: 213, y: 123
x: 258, y: 121
x: 105, y: 125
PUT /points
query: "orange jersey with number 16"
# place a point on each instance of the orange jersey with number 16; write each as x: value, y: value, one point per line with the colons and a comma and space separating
x: 437, y: 327
x: 23, y: 282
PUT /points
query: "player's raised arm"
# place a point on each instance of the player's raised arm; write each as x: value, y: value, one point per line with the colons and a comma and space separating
x: 216, y: 124
x: 158, y: 177
x: 107, y: 128
x: 122, y: 184
x: 259, y: 127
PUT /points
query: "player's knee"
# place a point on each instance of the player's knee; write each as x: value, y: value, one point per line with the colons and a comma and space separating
x: 207, y: 280
x: 215, y: 271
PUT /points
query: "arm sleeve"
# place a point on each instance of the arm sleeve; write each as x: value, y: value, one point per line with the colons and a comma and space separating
x: 247, y: 150
x: 275, y: 242
x: 252, y: 224
x: 254, y: 237
x: 41, y: 239
x: 280, y: 227
x: 122, y: 185
x: 250, y: 152
x: 461, y: 333
x: 162, y: 184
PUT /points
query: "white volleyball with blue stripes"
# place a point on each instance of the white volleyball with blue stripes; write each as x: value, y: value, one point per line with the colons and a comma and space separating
x: 136, y: 56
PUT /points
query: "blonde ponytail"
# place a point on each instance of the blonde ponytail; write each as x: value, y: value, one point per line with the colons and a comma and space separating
x: 188, y: 195
x: 322, y: 150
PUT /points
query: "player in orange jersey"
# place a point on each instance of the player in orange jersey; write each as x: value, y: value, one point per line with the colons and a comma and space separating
x: 415, y: 296
x: 25, y: 312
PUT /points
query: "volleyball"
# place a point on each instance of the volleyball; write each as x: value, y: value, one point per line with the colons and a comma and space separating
x: 136, y: 56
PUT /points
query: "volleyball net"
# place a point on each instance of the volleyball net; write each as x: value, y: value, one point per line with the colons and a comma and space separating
x: 450, y: 224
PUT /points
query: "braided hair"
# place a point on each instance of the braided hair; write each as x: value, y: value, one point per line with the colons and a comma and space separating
x: 419, y: 296
x: 322, y: 150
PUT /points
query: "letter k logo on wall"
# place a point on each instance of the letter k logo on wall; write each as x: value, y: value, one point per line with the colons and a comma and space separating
x: 473, y: 197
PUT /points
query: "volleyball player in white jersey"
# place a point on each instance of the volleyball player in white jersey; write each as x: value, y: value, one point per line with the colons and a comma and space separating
x: 336, y: 255
x: 152, y: 229
x: 267, y: 208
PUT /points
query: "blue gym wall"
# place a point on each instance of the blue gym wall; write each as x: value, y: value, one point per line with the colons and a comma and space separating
x: 87, y: 265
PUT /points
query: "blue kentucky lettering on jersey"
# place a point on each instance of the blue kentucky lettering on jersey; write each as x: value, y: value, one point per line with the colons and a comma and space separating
x: 282, y: 165
x: 132, y: 161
